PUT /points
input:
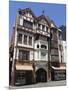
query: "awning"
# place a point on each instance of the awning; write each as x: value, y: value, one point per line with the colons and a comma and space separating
x: 24, y: 67
x: 59, y: 68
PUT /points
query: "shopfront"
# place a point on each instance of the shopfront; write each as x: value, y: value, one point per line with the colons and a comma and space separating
x: 24, y: 74
x: 58, y: 73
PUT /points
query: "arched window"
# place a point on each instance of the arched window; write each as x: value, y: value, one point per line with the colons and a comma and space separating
x: 37, y: 46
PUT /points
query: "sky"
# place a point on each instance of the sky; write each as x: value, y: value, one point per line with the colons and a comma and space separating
x: 56, y: 12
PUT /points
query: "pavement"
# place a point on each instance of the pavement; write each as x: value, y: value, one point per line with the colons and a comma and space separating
x: 46, y: 84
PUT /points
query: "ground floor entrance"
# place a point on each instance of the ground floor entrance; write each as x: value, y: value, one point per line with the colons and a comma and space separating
x: 41, y: 75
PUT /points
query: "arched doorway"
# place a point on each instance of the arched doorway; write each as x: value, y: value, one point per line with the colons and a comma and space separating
x: 41, y: 75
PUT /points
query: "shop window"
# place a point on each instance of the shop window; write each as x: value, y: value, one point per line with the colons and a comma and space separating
x: 20, y: 77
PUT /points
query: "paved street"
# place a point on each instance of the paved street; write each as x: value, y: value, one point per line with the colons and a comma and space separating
x: 47, y: 84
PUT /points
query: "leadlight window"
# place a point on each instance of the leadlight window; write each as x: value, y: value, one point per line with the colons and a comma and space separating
x: 47, y: 29
x: 25, y: 39
x: 27, y: 24
x: 39, y: 26
x: 43, y: 46
x: 19, y: 38
x: 23, y: 55
x: 30, y: 40
x: 43, y: 53
x: 43, y: 27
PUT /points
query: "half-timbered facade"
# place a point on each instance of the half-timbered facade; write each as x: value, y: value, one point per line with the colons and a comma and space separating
x: 35, y: 48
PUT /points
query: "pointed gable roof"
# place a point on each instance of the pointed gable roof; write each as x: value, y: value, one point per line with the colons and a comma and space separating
x: 44, y: 18
x: 23, y: 11
x: 53, y: 24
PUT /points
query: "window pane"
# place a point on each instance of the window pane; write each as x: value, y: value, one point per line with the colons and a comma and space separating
x: 20, y: 55
x: 43, y: 46
x: 19, y: 38
x: 43, y: 27
x: 28, y: 24
x: 23, y: 55
x: 39, y: 26
x: 37, y: 46
x: 25, y: 39
x: 30, y: 40
x: 47, y: 29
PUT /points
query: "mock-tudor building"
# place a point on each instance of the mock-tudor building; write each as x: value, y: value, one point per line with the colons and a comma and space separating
x: 34, y: 49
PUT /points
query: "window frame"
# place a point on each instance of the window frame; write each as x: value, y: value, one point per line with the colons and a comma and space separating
x: 30, y: 40
x: 19, y: 38
x: 25, y: 39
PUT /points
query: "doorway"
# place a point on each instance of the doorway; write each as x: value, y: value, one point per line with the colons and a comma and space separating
x: 41, y: 75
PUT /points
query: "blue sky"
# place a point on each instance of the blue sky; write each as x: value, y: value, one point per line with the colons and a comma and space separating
x: 56, y: 12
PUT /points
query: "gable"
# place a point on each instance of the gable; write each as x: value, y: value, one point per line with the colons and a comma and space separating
x: 27, y: 12
x: 53, y: 24
x: 42, y: 19
x: 43, y: 22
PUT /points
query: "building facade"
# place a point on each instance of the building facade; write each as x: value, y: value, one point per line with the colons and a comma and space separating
x: 34, y: 48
